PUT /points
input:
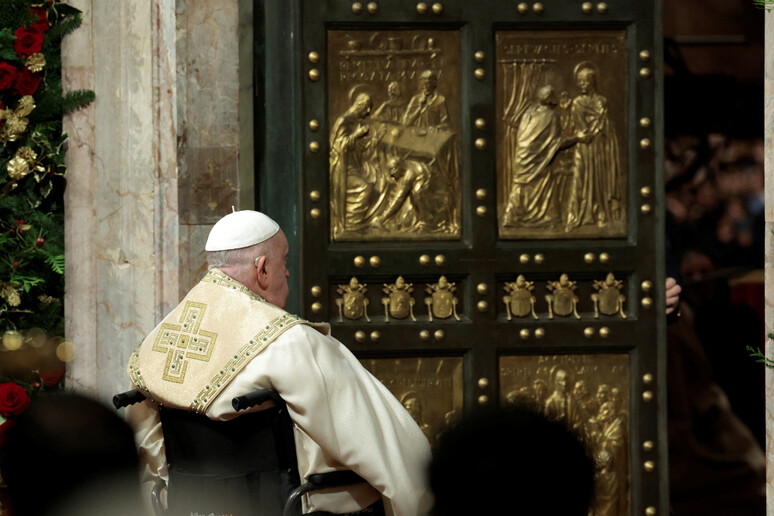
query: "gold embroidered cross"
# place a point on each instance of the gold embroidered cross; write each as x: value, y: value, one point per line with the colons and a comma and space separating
x: 184, y: 341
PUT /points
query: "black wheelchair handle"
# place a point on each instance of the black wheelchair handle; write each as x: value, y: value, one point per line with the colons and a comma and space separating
x: 335, y: 479
x: 251, y: 399
x: 124, y: 399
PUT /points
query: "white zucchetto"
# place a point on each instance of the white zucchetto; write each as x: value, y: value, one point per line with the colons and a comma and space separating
x: 240, y: 229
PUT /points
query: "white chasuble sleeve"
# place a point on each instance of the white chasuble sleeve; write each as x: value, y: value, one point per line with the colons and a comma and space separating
x: 344, y: 418
x: 145, y: 422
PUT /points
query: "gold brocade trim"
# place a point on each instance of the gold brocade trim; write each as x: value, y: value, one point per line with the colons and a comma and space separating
x: 219, y: 278
x: 136, y: 375
x: 257, y: 344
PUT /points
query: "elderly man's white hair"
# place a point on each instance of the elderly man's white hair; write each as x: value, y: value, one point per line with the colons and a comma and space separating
x: 238, y: 257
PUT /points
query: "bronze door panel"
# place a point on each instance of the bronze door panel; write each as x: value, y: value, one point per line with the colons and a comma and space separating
x: 561, y: 111
x: 429, y: 387
x: 591, y: 394
x: 393, y: 107
x: 481, y: 190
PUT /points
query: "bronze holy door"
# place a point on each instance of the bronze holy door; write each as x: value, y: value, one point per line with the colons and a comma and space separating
x: 480, y: 217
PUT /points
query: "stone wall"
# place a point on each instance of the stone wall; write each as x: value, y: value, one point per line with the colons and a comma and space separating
x: 153, y: 162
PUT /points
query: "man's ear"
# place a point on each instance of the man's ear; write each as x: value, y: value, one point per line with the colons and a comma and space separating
x: 261, y: 272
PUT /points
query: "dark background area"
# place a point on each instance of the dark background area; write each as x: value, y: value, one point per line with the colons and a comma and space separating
x: 713, y: 98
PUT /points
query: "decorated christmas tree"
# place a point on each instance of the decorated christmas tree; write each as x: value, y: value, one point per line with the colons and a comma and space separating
x: 32, y: 182
x: 32, y: 162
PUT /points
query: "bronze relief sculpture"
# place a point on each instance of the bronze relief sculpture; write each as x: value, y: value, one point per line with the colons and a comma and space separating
x: 519, y: 302
x: 394, y: 173
x: 442, y: 303
x: 562, y: 301
x: 608, y: 298
x: 399, y: 303
x: 562, y: 107
x: 353, y: 303
x: 430, y: 388
x: 590, y: 394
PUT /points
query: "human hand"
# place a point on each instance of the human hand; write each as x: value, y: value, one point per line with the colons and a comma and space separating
x: 583, y: 136
x: 362, y: 130
x: 672, y: 295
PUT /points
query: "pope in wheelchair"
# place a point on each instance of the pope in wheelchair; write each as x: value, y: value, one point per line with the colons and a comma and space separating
x: 315, y: 426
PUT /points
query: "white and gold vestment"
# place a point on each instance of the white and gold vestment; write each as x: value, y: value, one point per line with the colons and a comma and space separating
x: 223, y: 340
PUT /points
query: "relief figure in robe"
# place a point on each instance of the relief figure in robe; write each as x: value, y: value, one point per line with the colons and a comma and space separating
x: 535, y: 194
x: 410, y: 204
x: 427, y: 125
x: 428, y: 107
x: 413, y: 405
x: 392, y: 109
x: 609, y: 444
x: 581, y: 409
x: 557, y: 405
x: 594, y: 194
x: 356, y: 183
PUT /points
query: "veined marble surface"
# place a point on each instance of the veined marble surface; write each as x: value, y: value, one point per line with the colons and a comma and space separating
x: 166, y: 78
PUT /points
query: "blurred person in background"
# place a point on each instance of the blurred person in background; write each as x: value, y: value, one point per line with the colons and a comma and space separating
x: 69, y: 455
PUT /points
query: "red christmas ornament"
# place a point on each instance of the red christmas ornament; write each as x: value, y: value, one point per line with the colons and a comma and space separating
x: 39, y: 242
x: 36, y: 385
x: 15, y: 264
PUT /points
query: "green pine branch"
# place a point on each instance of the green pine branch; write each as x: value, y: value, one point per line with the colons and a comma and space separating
x: 32, y: 258
x: 73, y: 100
x: 64, y: 27
x: 14, y: 13
x: 7, y: 53
x: 760, y: 357
x: 56, y: 262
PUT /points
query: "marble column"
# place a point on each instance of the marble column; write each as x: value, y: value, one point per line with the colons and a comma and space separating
x: 152, y: 163
x: 121, y: 160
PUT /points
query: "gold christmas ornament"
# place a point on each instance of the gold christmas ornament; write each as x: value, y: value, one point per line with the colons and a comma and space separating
x: 65, y: 351
x: 46, y: 300
x: 35, y: 62
x: 10, y: 294
x: 27, y: 154
x: 26, y: 105
x: 35, y: 337
x: 13, y: 128
x: 15, y: 121
x: 18, y: 168
x: 12, y: 340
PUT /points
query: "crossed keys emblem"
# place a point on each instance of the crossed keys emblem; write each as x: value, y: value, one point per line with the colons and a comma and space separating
x: 184, y: 342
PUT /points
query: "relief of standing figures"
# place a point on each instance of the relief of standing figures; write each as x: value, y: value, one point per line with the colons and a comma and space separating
x: 561, y: 171
x: 394, y: 157
x: 395, y: 175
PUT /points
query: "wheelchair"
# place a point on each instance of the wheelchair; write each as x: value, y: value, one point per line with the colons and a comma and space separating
x: 240, y: 467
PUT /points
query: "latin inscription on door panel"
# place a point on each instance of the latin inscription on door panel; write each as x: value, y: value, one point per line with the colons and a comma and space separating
x: 394, y: 119
x: 561, y: 151
x: 591, y: 394
x: 429, y: 387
